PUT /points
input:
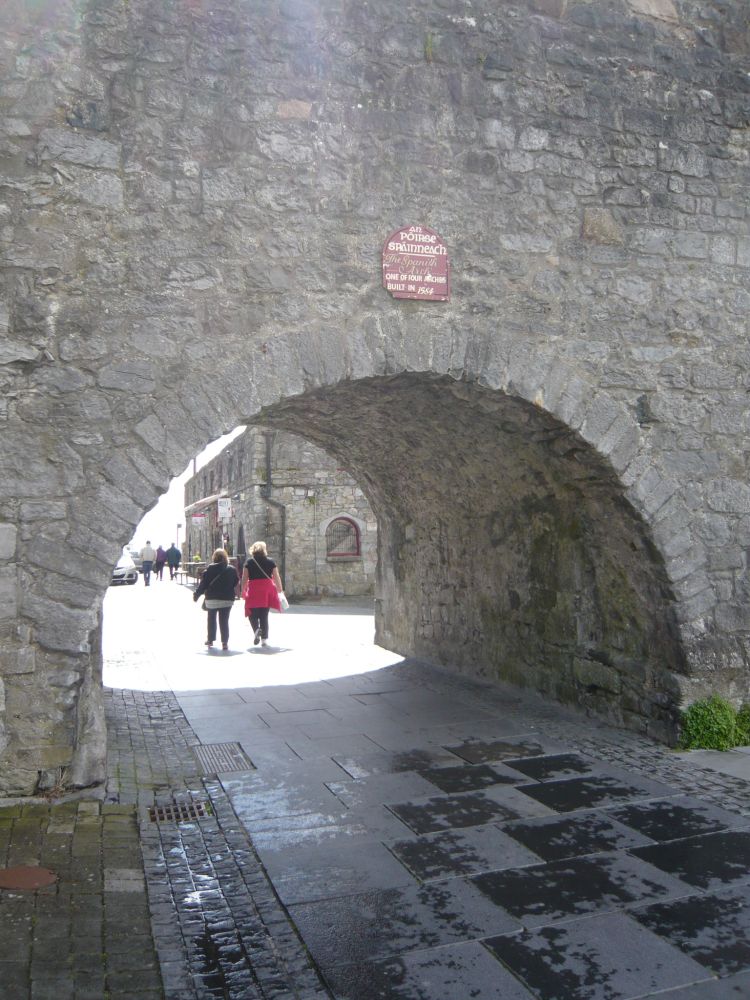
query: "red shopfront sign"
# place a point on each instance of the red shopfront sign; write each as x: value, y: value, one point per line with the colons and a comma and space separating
x: 415, y: 265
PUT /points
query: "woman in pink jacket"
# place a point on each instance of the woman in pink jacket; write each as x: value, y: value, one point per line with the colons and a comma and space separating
x: 261, y: 584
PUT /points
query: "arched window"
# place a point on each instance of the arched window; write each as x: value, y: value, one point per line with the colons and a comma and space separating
x: 342, y: 538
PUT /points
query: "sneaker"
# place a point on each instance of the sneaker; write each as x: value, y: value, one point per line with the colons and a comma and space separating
x: 256, y: 640
x: 264, y: 642
x: 209, y: 644
x: 225, y: 645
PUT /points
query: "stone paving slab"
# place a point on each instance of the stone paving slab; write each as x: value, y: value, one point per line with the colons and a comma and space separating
x: 373, y: 925
x: 565, y: 852
x: 458, y: 852
x: 611, y: 956
x: 448, y: 973
x: 587, y: 796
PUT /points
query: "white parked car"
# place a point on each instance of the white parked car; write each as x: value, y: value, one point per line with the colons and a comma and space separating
x: 125, y: 571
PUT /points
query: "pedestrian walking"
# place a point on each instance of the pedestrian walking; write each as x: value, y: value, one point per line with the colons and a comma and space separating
x: 218, y: 585
x: 148, y: 554
x: 261, y: 584
x: 174, y: 558
x: 161, y: 558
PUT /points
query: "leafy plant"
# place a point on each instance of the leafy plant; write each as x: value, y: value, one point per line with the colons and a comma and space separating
x: 709, y: 724
x: 742, y: 727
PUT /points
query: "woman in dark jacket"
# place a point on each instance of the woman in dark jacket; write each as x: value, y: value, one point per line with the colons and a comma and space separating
x: 218, y: 584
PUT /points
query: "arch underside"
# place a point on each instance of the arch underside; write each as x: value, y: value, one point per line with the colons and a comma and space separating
x: 506, y: 547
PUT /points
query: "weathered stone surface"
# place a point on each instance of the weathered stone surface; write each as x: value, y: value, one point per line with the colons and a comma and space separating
x: 8, y: 594
x: 8, y: 535
x: 663, y: 10
x: 69, y: 146
x: 312, y: 490
x: 600, y: 226
x: 189, y: 239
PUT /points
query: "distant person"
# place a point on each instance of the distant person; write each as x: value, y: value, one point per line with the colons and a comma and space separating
x: 147, y: 561
x: 174, y: 557
x: 161, y: 558
x: 218, y: 584
x: 261, y: 584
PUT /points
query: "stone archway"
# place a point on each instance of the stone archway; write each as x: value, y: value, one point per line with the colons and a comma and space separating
x: 508, y: 546
x: 194, y: 198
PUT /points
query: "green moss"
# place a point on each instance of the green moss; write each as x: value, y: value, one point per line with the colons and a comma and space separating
x: 742, y: 727
x: 709, y: 724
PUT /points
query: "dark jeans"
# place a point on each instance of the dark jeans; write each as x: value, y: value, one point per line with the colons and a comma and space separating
x: 223, y: 614
x: 172, y: 571
x: 146, y: 566
x: 158, y: 569
x: 259, y: 620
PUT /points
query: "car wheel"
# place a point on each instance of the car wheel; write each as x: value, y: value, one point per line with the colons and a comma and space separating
x: 131, y: 582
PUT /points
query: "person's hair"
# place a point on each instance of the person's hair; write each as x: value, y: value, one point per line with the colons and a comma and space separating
x: 220, y: 556
x: 259, y: 549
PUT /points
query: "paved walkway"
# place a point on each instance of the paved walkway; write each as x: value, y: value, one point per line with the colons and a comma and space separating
x: 310, y: 831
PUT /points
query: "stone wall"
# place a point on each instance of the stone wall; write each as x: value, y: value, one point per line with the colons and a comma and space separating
x: 309, y: 487
x: 193, y: 198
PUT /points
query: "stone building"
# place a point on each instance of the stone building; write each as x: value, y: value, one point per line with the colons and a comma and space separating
x: 316, y: 521
x: 194, y: 198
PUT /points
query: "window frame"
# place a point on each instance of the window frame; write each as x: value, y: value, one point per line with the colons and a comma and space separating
x: 335, y: 556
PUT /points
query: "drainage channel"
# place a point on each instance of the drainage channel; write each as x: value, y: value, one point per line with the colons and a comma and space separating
x: 218, y: 927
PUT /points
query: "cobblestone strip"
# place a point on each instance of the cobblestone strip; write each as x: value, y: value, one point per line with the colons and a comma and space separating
x: 219, y: 929
x: 148, y: 745
x: 88, y: 936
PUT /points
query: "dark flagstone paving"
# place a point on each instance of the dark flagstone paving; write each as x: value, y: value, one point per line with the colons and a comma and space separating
x: 535, y: 868
x: 411, y: 835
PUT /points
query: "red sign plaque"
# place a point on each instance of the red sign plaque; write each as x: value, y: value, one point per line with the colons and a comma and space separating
x: 415, y: 265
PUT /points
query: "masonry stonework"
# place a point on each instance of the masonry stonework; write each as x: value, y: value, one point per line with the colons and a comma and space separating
x: 192, y: 202
x: 286, y: 492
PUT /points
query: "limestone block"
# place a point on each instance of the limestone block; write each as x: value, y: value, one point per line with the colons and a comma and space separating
x: 602, y: 415
x: 600, y: 226
x: 693, y: 246
x: 662, y: 10
x: 553, y: 8
x: 8, y: 593
x: 590, y: 673
x: 19, y: 660
x: 101, y: 190
x: 83, y: 149
x: 301, y: 110
x: 526, y: 243
x: 723, y: 249
x: 222, y: 185
x: 128, y: 376
x: 729, y: 496
x: 57, y: 626
x: 12, y: 351
x: 8, y: 537
x: 499, y: 134
x: 636, y: 290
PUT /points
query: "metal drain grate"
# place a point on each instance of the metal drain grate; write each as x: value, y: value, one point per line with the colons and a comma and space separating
x: 217, y: 757
x: 178, y: 812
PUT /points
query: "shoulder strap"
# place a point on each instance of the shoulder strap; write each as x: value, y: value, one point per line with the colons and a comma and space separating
x: 217, y: 578
x: 260, y: 568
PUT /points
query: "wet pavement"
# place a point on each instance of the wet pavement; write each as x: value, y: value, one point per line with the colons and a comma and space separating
x: 308, y: 830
